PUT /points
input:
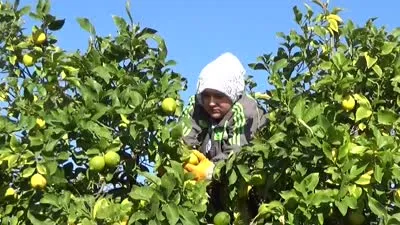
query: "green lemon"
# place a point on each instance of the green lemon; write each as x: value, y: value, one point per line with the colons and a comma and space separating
x: 356, y: 218
x: 222, y: 218
x: 97, y: 163
x: 111, y: 159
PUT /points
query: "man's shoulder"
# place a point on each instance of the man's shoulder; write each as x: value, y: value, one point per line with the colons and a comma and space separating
x: 249, y: 105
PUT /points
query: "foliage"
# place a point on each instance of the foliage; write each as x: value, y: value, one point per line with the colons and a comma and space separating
x: 323, y: 163
x: 317, y: 162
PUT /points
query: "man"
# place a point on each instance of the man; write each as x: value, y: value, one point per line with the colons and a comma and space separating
x: 222, y: 117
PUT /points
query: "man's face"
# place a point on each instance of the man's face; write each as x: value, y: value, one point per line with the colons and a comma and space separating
x: 215, y: 103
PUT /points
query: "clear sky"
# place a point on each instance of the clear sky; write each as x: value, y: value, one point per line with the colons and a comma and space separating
x: 198, y: 31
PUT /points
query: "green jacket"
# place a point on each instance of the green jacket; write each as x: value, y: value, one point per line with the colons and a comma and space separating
x: 235, y: 130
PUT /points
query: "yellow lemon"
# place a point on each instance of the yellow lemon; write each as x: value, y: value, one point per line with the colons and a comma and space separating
x: 39, y: 38
x: 168, y: 105
x: 41, y: 123
x: 27, y: 60
x: 193, y: 159
x: 10, y: 192
x: 38, y: 181
x: 348, y: 103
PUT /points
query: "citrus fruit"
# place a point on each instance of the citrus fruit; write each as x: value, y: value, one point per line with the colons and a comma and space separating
x: 348, y: 103
x: 111, y: 159
x: 222, y: 218
x: 10, y: 192
x: 257, y: 179
x: 41, y: 123
x: 356, y: 218
x: 189, y: 183
x: 193, y: 159
x: 27, y: 60
x: 263, y: 209
x: 97, y: 163
x: 38, y: 181
x: 168, y: 105
x: 39, y: 38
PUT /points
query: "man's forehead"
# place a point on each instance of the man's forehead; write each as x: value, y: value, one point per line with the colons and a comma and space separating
x: 212, y: 91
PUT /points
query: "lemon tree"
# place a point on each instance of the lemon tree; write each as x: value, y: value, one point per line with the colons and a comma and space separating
x: 94, y: 136
x: 330, y: 153
x: 81, y: 132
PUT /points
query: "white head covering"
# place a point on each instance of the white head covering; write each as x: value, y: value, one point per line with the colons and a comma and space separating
x: 224, y: 74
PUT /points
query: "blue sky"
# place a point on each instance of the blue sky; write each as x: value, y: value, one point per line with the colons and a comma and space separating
x: 198, y: 31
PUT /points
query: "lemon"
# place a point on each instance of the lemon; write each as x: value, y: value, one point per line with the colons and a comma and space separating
x: 193, y: 159
x: 356, y: 218
x: 38, y: 181
x: 168, y: 105
x: 10, y: 192
x: 3, y: 96
x: 41, y: 123
x: 97, y: 163
x: 189, y: 183
x: 27, y: 60
x: 348, y: 103
x: 222, y: 218
x: 111, y: 159
x: 257, y: 179
x: 39, y: 38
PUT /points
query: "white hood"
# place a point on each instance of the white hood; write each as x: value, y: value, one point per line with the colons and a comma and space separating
x: 225, y: 74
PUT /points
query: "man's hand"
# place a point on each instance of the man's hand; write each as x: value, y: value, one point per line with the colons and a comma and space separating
x: 203, y: 170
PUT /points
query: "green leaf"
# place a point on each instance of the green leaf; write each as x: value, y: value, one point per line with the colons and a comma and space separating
x: 168, y: 183
x: 320, y: 197
x: 172, y: 213
x: 188, y: 217
x: 370, y: 60
x: 362, y: 112
x: 141, y: 193
x: 376, y: 207
x: 41, y: 169
x: 136, y: 98
x: 232, y: 178
x: 299, y: 108
x: 277, y: 137
x: 339, y: 59
x: 342, y: 207
x: 128, y: 10
x: 153, y: 178
x: 14, y: 143
x: 28, y: 172
x: 388, y: 47
x: 244, y: 171
x: 377, y: 70
x: 56, y: 25
x: 86, y: 25
x: 351, y: 202
x: 344, y: 149
x: 311, y: 181
x: 103, y: 73
x: 120, y: 23
x: 387, y: 117
x: 378, y: 173
x: 35, y: 221
x: 50, y: 199
x: 52, y: 167
x: 282, y: 63
x: 312, y: 112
